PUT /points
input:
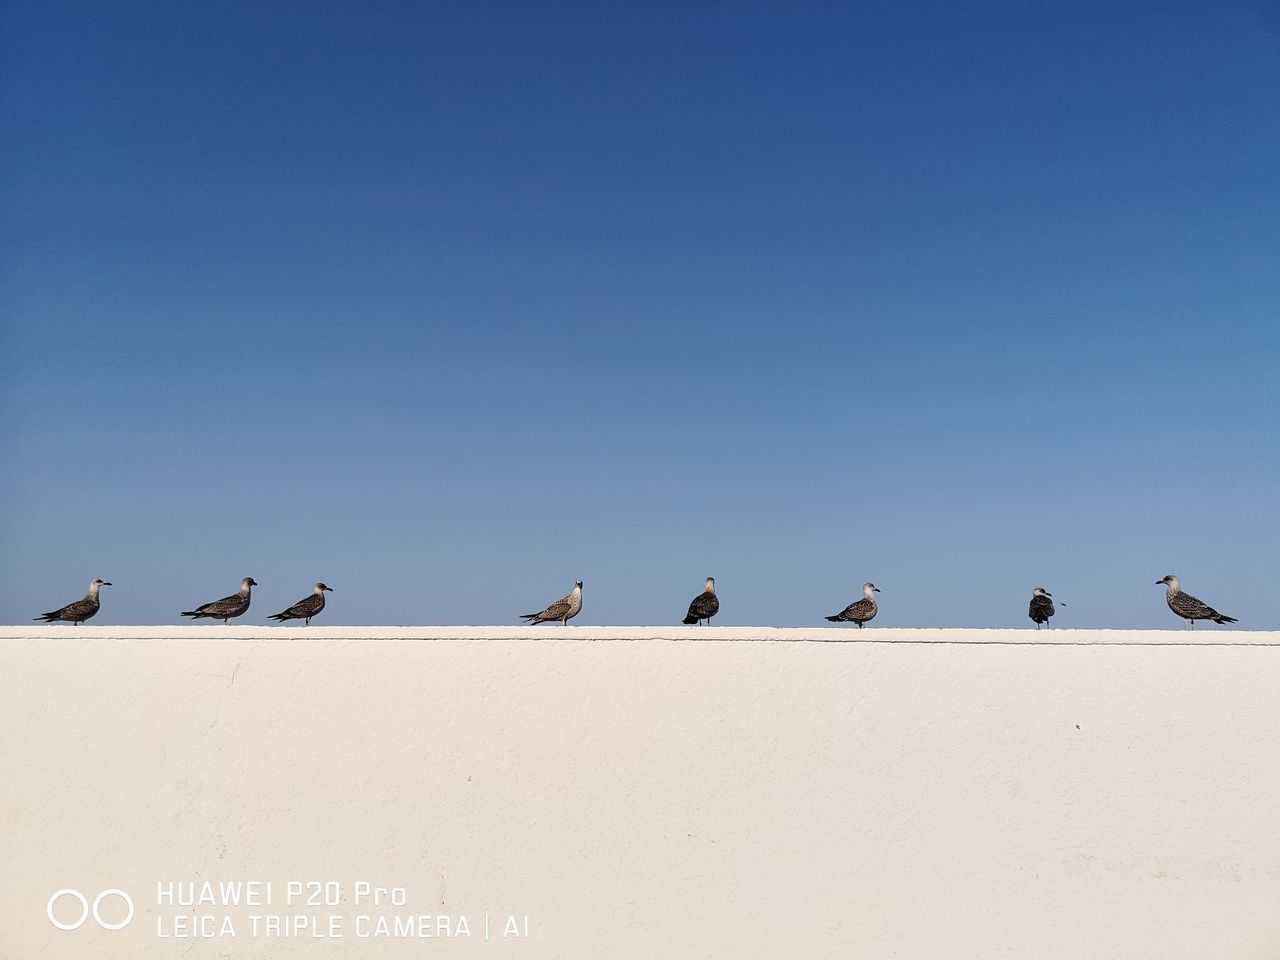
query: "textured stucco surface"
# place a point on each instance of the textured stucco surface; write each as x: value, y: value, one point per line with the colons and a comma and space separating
x: 976, y: 794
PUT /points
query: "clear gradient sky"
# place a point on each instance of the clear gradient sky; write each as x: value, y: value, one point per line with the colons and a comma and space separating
x: 449, y: 305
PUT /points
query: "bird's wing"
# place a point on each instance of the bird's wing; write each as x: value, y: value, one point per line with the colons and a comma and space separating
x: 1193, y: 608
x: 308, y: 606
x: 704, y: 605
x: 214, y: 605
x: 859, y: 609
x: 224, y: 606
x: 556, y: 610
x: 74, y: 611
x: 82, y: 608
x: 1042, y: 605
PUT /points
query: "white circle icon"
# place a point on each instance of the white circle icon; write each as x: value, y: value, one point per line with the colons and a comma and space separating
x: 85, y: 909
x: 113, y: 926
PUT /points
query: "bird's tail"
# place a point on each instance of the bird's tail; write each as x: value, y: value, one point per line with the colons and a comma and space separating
x: 194, y: 614
x: 1223, y: 618
x: 46, y: 617
x: 278, y: 617
x: 529, y: 617
x: 690, y: 619
x: 834, y: 619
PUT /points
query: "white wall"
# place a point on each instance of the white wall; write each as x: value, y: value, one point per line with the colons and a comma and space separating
x: 923, y: 794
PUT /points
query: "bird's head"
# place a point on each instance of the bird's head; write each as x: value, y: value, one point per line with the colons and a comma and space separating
x: 248, y: 582
x: 1041, y: 592
x: 577, y: 585
x: 870, y: 588
x: 100, y: 583
x: 1170, y: 580
x: 321, y: 588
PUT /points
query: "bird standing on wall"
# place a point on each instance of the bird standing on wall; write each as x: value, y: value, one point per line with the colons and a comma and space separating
x: 1041, y: 606
x: 304, y: 609
x: 705, y: 605
x: 860, y: 611
x: 80, y: 611
x: 1188, y: 607
x: 564, y: 609
x: 227, y: 608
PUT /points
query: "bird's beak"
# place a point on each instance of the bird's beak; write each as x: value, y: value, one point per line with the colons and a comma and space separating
x: 875, y: 589
x: 106, y: 583
x: 330, y: 589
x: 1048, y: 594
x: 1158, y: 582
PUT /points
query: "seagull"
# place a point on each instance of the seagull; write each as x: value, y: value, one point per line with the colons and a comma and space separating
x: 860, y: 611
x: 705, y: 605
x: 564, y: 609
x: 1188, y: 607
x: 1041, y: 606
x: 80, y: 611
x: 228, y: 607
x: 304, y: 609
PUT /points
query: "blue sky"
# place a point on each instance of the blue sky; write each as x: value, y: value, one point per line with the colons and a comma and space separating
x: 449, y: 305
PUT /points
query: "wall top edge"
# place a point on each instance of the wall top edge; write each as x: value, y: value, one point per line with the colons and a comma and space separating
x: 1055, y: 637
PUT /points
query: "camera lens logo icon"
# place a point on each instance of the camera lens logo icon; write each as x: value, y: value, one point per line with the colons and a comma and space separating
x: 85, y: 909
